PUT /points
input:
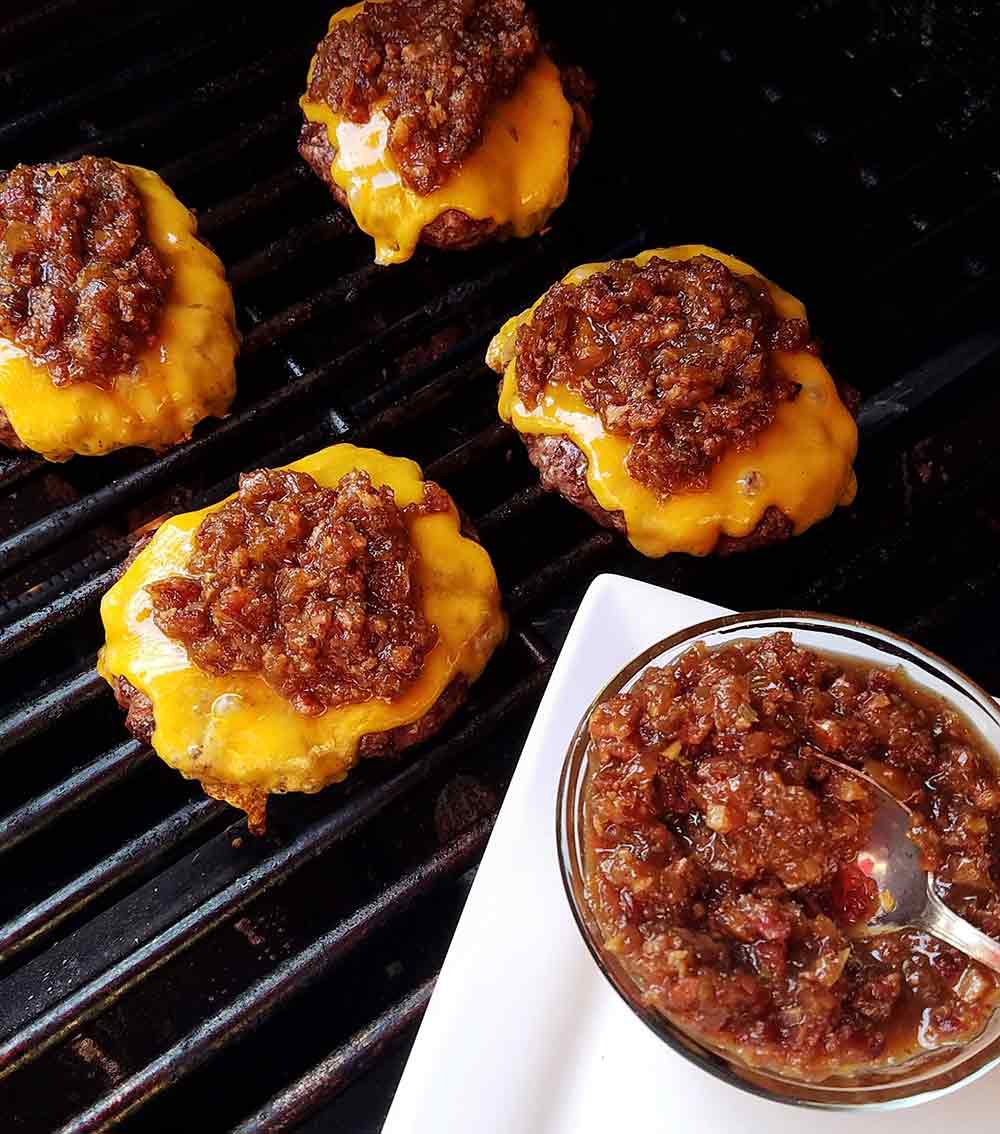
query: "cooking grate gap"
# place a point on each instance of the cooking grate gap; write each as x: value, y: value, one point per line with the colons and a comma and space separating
x: 150, y: 850
x: 285, y: 1110
x: 25, y: 72
x: 35, y: 14
x: 250, y: 91
x: 54, y: 125
x: 235, y: 1019
x: 222, y: 166
x: 70, y: 793
x: 280, y: 188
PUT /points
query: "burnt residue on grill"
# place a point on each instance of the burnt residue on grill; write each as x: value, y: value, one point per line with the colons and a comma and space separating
x: 153, y: 959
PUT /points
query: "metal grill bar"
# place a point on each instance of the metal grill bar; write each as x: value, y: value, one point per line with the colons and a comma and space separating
x: 299, y: 1100
x: 915, y: 389
x: 15, y: 468
x: 43, y: 61
x: 50, y: 706
x: 19, y: 635
x: 303, y: 238
x: 11, y: 28
x: 71, y: 792
x: 541, y: 652
x: 890, y: 547
x: 136, y: 855
x: 289, y: 978
x: 61, y: 586
x: 351, y: 286
x: 263, y: 195
x: 514, y: 508
x: 215, y: 89
x: 23, y: 123
x: 558, y: 571
x: 195, y: 164
x: 464, y: 455
x: 74, y: 1010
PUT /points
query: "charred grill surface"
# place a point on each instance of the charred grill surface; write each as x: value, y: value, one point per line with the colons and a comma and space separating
x: 153, y: 957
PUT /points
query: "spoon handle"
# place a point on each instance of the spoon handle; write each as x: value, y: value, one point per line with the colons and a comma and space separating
x: 938, y: 919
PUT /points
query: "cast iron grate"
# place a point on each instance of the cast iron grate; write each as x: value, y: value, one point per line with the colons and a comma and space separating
x: 152, y: 957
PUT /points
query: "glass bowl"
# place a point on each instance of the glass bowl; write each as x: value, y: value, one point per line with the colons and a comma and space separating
x: 905, y: 1084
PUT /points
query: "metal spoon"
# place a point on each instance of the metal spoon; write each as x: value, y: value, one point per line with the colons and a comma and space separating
x: 908, y: 900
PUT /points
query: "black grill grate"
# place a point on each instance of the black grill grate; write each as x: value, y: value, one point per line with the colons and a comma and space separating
x: 152, y: 957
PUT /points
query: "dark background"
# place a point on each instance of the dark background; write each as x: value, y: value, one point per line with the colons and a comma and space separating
x: 849, y: 150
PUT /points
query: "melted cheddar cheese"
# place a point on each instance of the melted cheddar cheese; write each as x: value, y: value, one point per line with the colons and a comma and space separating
x: 517, y: 176
x: 187, y: 374
x: 234, y: 728
x: 801, y: 464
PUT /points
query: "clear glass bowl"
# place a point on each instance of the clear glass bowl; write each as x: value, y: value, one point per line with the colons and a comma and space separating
x: 903, y: 1085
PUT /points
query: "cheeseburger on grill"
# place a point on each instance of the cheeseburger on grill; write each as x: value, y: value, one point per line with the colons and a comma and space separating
x: 327, y: 611
x: 116, y: 322
x: 678, y: 397
x: 442, y: 122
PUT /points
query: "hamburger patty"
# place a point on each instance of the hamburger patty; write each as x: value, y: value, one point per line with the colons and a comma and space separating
x: 562, y: 468
x: 141, y: 723
x: 454, y: 229
x: 436, y: 69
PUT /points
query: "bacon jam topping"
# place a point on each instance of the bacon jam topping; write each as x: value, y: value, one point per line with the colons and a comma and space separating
x: 435, y: 69
x: 313, y: 588
x: 81, y: 287
x: 723, y: 853
x: 676, y: 355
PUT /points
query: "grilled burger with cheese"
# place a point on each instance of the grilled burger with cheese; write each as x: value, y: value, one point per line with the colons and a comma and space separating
x: 679, y: 398
x: 442, y: 122
x: 328, y: 611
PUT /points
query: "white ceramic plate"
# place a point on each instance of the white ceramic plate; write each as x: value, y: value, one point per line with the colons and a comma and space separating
x: 523, y: 1035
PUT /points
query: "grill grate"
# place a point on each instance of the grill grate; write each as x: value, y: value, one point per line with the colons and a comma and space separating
x: 152, y: 957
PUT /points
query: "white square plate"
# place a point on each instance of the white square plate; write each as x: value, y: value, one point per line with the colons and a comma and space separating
x: 523, y: 1035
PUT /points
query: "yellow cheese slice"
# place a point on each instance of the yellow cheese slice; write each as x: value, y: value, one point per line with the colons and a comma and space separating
x: 187, y: 375
x: 517, y: 176
x: 235, y: 729
x: 802, y: 463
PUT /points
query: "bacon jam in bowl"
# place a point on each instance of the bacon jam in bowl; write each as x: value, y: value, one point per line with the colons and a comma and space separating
x: 709, y: 854
x: 326, y: 612
x: 679, y: 398
x: 117, y: 325
x: 442, y: 122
